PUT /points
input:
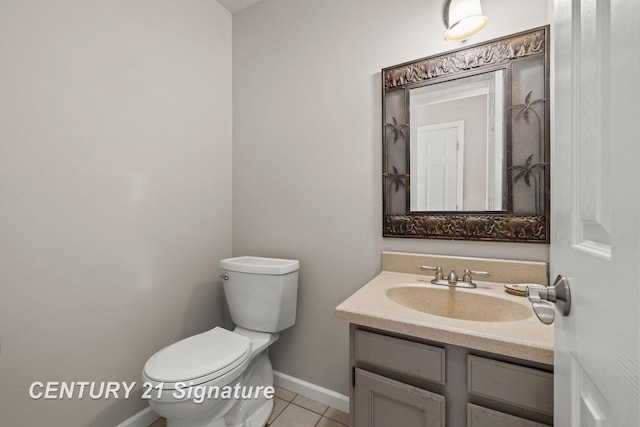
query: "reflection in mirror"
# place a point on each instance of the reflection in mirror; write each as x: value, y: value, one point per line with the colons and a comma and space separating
x: 457, y: 145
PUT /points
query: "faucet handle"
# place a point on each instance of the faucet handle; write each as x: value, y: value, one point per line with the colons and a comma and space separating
x: 438, y: 271
x: 468, y: 273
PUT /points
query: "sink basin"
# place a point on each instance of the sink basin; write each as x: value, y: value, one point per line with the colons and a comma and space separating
x: 457, y: 304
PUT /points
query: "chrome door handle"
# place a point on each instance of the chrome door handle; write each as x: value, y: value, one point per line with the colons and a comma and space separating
x: 543, y: 300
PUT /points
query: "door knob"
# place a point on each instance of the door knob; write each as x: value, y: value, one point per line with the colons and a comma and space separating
x: 543, y: 300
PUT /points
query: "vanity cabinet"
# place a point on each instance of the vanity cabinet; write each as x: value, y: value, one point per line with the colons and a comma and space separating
x: 399, y: 380
x: 383, y: 401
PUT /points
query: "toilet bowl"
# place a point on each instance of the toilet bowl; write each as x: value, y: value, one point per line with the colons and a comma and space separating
x: 223, y: 378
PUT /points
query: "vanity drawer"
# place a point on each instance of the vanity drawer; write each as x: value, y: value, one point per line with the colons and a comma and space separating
x: 527, y: 388
x: 477, y: 416
x: 398, y: 355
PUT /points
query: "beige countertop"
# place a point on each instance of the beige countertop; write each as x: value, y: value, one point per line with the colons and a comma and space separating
x: 526, y: 339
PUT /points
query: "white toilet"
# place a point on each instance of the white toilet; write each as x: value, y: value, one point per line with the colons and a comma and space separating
x: 261, y: 294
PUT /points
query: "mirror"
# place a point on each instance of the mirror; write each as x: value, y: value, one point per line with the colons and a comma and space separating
x: 457, y: 145
x: 466, y: 142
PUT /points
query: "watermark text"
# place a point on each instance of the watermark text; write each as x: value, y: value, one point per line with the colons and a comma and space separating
x: 96, y: 390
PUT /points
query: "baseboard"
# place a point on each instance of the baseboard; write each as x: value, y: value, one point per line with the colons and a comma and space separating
x: 144, y: 418
x: 339, y: 401
x: 312, y: 391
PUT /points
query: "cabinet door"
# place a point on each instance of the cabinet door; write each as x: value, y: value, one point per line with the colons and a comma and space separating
x: 383, y: 402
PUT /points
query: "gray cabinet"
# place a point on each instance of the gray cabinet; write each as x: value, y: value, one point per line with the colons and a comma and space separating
x: 524, y: 387
x: 402, y: 356
x: 478, y: 416
x: 403, y: 381
x: 380, y: 401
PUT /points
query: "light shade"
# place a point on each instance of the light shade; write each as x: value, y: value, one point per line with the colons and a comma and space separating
x: 465, y: 19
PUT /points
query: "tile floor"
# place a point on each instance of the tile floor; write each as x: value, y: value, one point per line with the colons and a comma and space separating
x: 294, y: 410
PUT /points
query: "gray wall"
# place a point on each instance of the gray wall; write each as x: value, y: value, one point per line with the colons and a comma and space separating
x: 307, y: 151
x: 115, y: 192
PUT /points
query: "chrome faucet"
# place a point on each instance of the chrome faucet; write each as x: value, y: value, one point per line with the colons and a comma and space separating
x: 452, y: 279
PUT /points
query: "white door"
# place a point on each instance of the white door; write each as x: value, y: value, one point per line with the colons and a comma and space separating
x: 437, y: 180
x: 595, y: 215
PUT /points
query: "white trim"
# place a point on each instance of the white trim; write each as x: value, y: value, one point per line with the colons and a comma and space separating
x: 495, y: 144
x: 143, y: 418
x: 312, y: 391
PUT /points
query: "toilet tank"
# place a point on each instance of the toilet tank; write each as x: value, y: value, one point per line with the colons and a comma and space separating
x: 261, y: 293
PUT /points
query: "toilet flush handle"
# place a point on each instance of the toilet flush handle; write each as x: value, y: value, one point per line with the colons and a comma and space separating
x: 225, y: 276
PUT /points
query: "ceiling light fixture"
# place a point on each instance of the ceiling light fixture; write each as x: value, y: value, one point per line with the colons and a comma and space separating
x: 464, y: 19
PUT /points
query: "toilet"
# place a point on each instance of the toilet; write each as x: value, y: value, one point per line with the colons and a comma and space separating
x: 186, y: 382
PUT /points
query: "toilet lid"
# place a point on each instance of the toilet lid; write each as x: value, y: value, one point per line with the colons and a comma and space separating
x: 213, y: 352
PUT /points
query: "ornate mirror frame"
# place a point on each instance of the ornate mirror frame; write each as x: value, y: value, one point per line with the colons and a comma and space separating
x: 525, y: 59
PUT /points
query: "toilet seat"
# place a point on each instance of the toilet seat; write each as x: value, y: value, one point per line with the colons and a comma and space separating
x: 199, y: 359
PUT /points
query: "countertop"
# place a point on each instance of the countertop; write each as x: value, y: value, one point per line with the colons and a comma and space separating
x: 527, y: 339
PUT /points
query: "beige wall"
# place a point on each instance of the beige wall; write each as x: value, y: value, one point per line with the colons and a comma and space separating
x: 115, y: 192
x: 307, y: 151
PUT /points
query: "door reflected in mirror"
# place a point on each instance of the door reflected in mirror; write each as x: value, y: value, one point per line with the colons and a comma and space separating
x: 457, y: 145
